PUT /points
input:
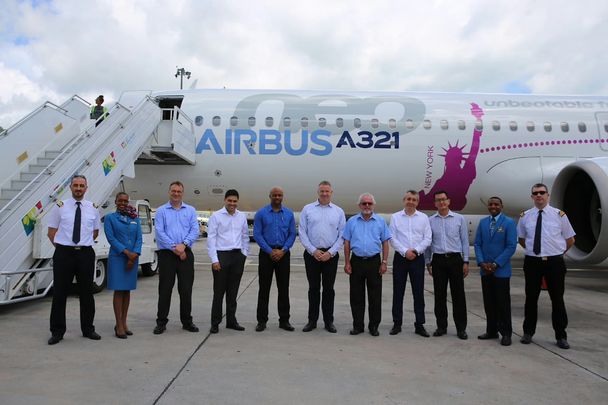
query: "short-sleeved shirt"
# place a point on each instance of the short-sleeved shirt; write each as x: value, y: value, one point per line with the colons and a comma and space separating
x: 62, y: 218
x: 556, y: 229
x: 366, y: 237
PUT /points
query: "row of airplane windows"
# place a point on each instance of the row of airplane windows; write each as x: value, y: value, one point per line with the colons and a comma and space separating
x: 409, y: 124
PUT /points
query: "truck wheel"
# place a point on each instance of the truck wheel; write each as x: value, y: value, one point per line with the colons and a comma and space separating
x: 100, y: 276
x: 150, y: 269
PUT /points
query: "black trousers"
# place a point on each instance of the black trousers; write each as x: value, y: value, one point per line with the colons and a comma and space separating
x: 554, y: 270
x: 266, y: 268
x: 365, y: 273
x: 449, y: 269
x: 170, y: 266
x: 401, y: 268
x: 497, y: 304
x: 227, y: 281
x: 321, y: 273
x: 67, y: 263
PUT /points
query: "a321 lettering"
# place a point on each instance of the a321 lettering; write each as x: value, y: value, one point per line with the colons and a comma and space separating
x: 367, y: 139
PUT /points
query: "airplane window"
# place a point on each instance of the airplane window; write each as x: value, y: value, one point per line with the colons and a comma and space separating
x: 409, y: 124
x: 582, y: 127
x: 496, y: 125
x: 287, y: 122
x: 392, y: 123
x: 216, y: 121
x: 251, y: 121
x: 479, y: 125
x: 547, y: 126
x: 513, y: 126
x: 426, y: 124
x: 269, y: 121
x: 374, y: 122
x: 339, y: 122
x: 234, y: 121
x: 461, y: 125
x: 357, y: 123
x: 198, y: 121
x: 530, y: 126
x: 565, y: 127
x: 322, y: 122
x: 304, y: 122
x: 444, y: 124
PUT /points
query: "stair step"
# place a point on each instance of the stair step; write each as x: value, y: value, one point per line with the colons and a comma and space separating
x: 36, y: 168
x: 9, y: 193
x: 27, y: 176
x: 44, y: 161
x: 20, y: 184
x: 51, y: 154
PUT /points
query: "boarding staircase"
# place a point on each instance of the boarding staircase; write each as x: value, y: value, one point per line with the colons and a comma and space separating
x: 51, y: 145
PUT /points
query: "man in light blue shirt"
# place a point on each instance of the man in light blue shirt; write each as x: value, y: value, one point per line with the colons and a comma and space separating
x: 177, y: 229
x: 448, y: 261
x: 274, y: 229
x: 366, y: 236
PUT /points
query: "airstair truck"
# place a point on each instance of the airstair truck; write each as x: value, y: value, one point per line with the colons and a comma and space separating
x: 40, y: 154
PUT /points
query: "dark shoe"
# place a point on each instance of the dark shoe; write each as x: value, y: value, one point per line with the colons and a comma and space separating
x: 396, y: 329
x: 309, y: 326
x: 354, y: 332
x: 214, y: 329
x: 92, y: 335
x: 462, y: 335
x: 421, y: 331
x: 128, y: 332
x: 286, y: 326
x: 563, y: 344
x: 53, y: 340
x: 119, y: 336
x: 526, y: 339
x: 374, y: 331
x: 505, y: 341
x: 235, y: 326
x: 439, y: 332
x: 190, y: 327
x: 159, y: 329
x: 330, y: 328
x: 487, y: 336
x: 260, y: 326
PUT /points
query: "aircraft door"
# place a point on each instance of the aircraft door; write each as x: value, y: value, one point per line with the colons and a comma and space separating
x: 602, y: 127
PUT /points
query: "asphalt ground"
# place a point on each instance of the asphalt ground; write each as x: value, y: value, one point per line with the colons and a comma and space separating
x: 280, y: 367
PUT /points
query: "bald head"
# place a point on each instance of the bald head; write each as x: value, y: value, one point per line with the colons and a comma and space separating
x: 276, y: 197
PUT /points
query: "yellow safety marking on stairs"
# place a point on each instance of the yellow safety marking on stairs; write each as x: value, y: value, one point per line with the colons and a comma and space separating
x: 59, y: 127
x: 22, y: 157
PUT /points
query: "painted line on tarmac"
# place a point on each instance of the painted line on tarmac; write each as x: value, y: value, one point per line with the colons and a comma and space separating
x: 179, y: 372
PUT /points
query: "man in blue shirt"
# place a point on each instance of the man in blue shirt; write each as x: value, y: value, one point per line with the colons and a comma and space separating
x: 274, y: 229
x: 176, y: 230
x: 495, y: 243
x: 366, y: 236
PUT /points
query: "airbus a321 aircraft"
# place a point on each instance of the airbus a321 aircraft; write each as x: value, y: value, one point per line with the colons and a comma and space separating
x: 471, y: 145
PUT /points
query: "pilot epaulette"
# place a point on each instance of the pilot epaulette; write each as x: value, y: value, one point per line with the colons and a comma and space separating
x: 60, y: 203
x: 521, y: 214
x: 561, y: 213
x: 96, y: 205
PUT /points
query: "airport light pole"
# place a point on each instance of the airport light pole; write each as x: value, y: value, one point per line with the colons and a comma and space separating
x: 181, y: 72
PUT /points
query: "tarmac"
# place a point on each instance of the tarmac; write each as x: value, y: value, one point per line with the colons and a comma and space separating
x: 280, y: 367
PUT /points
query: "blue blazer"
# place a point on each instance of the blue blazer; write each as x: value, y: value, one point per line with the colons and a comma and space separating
x: 123, y: 233
x: 497, y: 248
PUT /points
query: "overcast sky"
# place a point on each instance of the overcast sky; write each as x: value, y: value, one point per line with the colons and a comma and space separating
x: 50, y: 50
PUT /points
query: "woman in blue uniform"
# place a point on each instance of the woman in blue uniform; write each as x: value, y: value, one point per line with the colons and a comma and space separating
x: 123, y: 231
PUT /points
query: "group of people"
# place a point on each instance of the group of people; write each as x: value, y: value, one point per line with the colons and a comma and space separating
x: 439, y: 242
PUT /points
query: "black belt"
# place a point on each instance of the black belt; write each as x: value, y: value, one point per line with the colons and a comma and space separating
x: 276, y: 247
x: 545, y: 258
x: 228, y: 251
x: 72, y: 247
x: 376, y: 256
x: 447, y: 255
x: 323, y: 249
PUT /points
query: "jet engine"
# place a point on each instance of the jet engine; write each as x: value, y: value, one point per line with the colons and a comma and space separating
x: 581, y: 190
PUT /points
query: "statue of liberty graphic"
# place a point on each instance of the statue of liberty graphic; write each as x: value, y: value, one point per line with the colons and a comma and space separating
x: 457, y: 176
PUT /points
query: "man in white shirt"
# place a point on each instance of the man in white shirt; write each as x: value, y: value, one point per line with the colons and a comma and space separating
x: 411, y: 233
x: 228, y: 246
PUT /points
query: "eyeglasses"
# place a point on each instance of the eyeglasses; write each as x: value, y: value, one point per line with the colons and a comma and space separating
x: 539, y: 192
x: 366, y: 203
x: 441, y: 199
